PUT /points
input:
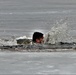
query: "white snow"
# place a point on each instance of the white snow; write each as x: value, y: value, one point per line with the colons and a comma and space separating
x: 33, y: 63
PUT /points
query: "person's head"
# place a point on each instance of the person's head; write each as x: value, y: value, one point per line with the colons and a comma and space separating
x: 37, y: 37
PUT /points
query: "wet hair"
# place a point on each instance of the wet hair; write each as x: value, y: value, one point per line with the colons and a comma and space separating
x: 37, y: 35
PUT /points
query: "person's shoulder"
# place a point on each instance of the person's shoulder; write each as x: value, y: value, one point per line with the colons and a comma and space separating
x: 33, y: 45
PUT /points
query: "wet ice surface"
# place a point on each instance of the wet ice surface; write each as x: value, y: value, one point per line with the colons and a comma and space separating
x: 37, y: 63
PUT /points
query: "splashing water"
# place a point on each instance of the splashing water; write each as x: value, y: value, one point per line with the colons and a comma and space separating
x: 59, y: 33
x: 7, y: 42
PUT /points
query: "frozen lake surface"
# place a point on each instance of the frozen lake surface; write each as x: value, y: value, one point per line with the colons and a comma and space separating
x: 38, y: 63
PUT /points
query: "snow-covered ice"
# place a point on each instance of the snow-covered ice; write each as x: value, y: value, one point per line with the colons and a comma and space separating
x: 42, y: 63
